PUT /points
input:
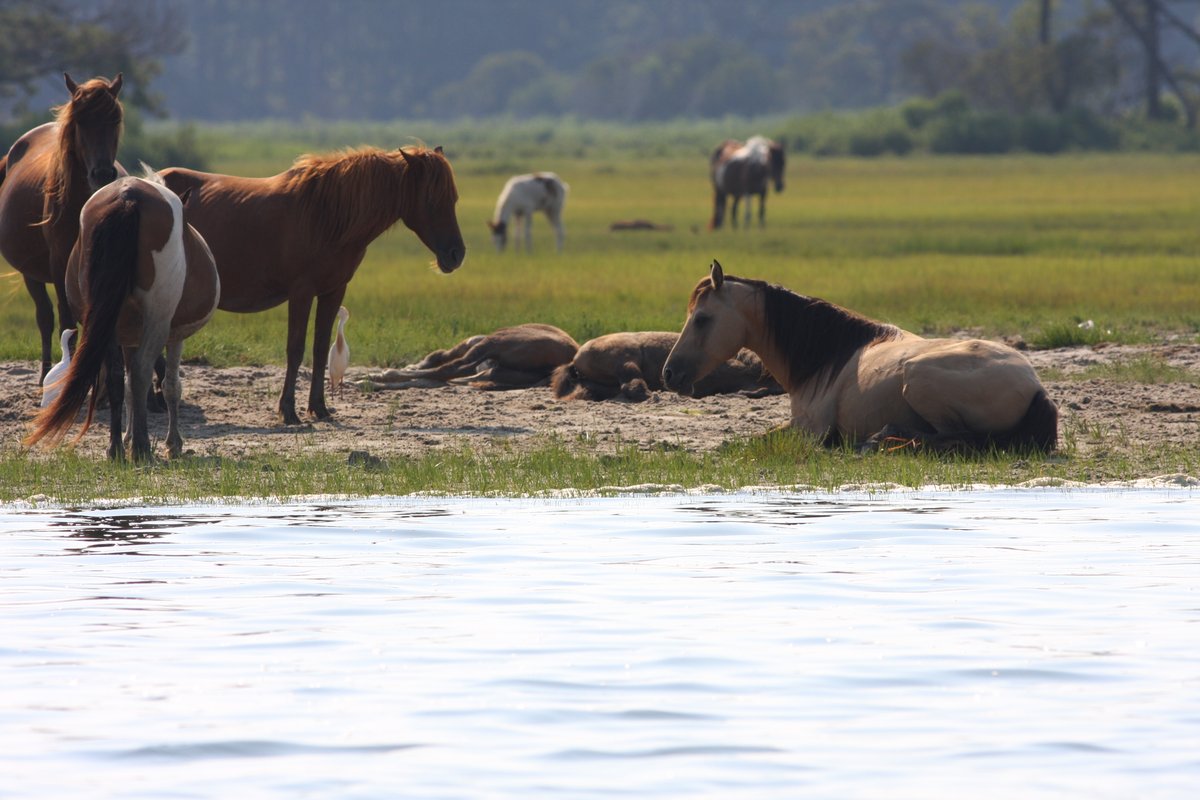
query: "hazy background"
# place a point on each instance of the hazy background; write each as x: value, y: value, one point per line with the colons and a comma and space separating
x: 620, y: 60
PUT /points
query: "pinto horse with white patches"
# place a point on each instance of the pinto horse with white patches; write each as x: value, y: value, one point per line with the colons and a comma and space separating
x: 140, y: 278
x: 522, y: 196
x: 741, y: 171
x: 856, y: 381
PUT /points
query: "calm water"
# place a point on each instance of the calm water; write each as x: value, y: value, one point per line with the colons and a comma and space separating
x: 1008, y: 644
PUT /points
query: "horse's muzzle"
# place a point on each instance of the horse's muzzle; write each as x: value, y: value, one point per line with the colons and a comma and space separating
x: 99, y: 177
x: 676, y: 379
x: 451, y: 258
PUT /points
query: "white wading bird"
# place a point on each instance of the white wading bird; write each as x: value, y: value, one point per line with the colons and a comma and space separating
x: 49, y: 388
x: 339, y: 352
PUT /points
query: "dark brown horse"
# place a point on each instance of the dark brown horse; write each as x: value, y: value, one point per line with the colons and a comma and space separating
x: 741, y: 171
x: 45, y: 179
x: 629, y: 365
x: 857, y: 381
x: 299, y: 236
x: 139, y: 278
x: 516, y: 357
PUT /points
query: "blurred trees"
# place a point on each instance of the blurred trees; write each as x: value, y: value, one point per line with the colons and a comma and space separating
x: 44, y: 38
x: 623, y: 60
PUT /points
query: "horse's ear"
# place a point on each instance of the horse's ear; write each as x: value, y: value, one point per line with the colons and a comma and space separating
x: 186, y: 195
x: 71, y: 84
x: 438, y: 150
x: 716, y: 274
x: 407, y: 157
x: 114, y: 88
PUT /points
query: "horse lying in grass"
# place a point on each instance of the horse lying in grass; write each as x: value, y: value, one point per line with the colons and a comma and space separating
x: 630, y: 365
x: 518, y: 357
x: 856, y: 381
x: 140, y: 278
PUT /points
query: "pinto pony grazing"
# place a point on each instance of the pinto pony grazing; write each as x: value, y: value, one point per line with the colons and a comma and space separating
x: 517, y: 357
x: 629, y: 365
x: 45, y: 179
x: 299, y: 236
x: 521, y: 197
x: 855, y: 381
x: 741, y: 170
x: 140, y: 278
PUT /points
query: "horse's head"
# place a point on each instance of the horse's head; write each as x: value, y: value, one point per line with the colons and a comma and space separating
x: 430, y: 197
x: 714, y: 332
x: 90, y: 128
x: 776, y: 161
x: 499, y: 234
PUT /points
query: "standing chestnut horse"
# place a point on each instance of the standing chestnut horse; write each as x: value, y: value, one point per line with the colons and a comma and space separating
x: 299, y: 236
x: 45, y: 179
x: 741, y: 170
x: 856, y: 381
x: 140, y: 278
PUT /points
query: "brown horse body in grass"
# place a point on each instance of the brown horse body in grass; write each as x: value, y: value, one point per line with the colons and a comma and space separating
x: 856, y: 381
x: 741, y: 171
x: 517, y: 357
x: 299, y: 236
x: 629, y: 365
x: 45, y: 179
x: 140, y: 278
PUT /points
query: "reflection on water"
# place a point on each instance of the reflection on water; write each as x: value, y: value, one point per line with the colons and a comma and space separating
x: 921, y: 644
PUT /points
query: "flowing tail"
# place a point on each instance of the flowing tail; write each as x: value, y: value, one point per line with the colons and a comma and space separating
x: 111, y: 261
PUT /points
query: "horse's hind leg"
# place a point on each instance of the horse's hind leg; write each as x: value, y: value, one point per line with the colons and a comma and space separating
x: 327, y: 308
x: 44, y: 310
x: 762, y: 209
x: 172, y: 392
x: 733, y: 212
x: 114, y: 382
x: 555, y: 218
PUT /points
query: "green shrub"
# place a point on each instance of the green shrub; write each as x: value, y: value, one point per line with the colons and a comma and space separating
x: 973, y: 133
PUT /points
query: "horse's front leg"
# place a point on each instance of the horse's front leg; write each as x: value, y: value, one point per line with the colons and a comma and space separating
x: 298, y: 310
x: 718, y: 210
x: 749, y: 206
x: 733, y: 212
x: 762, y: 209
x: 529, y: 232
x: 327, y: 308
x: 44, y: 310
x: 172, y: 391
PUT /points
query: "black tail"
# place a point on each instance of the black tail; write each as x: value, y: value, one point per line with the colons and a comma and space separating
x: 110, y: 264
x: 1037, y: 430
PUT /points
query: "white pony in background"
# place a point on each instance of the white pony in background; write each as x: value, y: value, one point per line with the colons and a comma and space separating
x: 520, y: 198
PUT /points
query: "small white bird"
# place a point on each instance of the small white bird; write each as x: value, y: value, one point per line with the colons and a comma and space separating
x: 58, y: 372
x: 339, y: 352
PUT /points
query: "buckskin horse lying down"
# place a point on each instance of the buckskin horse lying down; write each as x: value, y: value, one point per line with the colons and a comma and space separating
x: 516, y: 357
x: 629, y: 365
x: 857, y: 381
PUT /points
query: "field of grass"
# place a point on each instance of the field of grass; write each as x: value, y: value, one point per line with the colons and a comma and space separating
x: 1009, y: 245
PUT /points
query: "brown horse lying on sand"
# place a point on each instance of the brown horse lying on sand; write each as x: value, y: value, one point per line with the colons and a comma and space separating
x: 299, y: 236
x: 630, y: 365
x: 856, y: 381
x: 518, y: 357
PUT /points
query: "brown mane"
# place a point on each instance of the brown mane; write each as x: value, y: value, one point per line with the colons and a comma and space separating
x: 93, y: 103
x: 340, y: 192
x: 818, y: 337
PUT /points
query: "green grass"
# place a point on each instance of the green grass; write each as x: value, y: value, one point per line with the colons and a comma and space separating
x: 1014, y: 245
x: 777, y: 459
x: 1142, y: 369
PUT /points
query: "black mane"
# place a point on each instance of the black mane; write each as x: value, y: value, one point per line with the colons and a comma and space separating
x: 816, y: 336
